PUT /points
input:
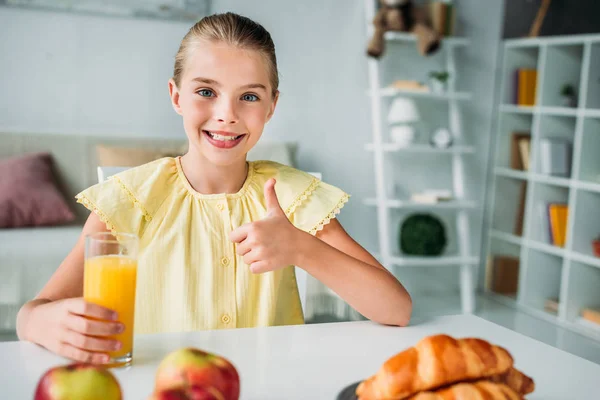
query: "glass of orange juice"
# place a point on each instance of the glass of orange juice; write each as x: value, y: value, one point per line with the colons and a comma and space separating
x: 110, y: 273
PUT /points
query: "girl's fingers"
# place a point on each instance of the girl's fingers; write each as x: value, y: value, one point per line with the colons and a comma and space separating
x: 81, y: 307
x: 74, y: 353
x: 90, y: 327
x: 250, y: 257
x: 242, y: 248
x: 84, y: 342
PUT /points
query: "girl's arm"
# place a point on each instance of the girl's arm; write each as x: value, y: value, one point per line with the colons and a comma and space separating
x: 335, y: 259
x: 332, y: 257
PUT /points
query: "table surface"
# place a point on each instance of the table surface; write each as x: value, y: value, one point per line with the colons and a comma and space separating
x: 313, y: 361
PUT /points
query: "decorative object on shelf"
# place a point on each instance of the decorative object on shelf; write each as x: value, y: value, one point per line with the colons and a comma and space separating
x: 552, y: 305
x: 443, y: 17
x: 441, y: 138
x: 411, y: 86
x: 438, y: 81
x: 403, y: 111
x: 568, y: 95
x: 555, y: 157
x: 596, y: 246
x: 402, y: 16
x: 431, y: 196
x: 422, y: 235
x: 539, y: 18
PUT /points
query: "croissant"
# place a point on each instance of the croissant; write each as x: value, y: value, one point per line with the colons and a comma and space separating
x: 516, y: 380
x: 434, y: 361
x: 479, y: 390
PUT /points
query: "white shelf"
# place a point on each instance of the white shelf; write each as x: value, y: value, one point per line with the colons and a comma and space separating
x: 507, y: 237
x: 545, y: 110
x: 407, y: 204
x: 556, y: 40
x: 591, y: 113
x: 570, y: 273
x: 585, y: 259
x: 551, y: 180
x: 546, y: 248
x: 411, y: 38
x: 510, y: 108
x: 444, y: 109
x: 589, y: 186
x: 421, y: 148
x: 559, y: 111
x: 511, y: 173
x: 393, y: 92
x: 434, y: 261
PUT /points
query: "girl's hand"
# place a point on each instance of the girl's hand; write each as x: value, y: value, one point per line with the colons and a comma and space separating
x: 268, y: 244
x: 62, y: 327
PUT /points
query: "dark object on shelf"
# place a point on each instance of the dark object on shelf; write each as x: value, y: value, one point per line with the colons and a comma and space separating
x: 422, y: 235
x: 505, y: 278
x: 596, y: 246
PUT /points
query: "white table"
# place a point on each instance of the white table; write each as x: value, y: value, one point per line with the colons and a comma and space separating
x: 313, y: 361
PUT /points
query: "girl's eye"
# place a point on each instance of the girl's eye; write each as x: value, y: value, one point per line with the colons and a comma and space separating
x: 250, y: 97
x: 205, y: 92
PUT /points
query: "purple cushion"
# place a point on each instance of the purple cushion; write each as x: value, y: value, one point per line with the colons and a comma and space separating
x: 28, y: 193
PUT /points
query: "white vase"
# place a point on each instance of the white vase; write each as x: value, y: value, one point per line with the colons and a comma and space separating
x: 437, y: 86
x: 402, y: 135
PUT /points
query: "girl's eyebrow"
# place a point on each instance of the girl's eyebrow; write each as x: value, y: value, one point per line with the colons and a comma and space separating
x: 209, y: 81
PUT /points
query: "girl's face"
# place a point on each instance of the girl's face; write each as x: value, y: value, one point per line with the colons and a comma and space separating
x: 225, y: 99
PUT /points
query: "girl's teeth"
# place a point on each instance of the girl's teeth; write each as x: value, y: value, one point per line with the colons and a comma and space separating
x: 221, y: 137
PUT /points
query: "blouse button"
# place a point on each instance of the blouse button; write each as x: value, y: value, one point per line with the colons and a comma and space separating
x: 220, y: 207
x: 226, y: 318
x: 224, y: 261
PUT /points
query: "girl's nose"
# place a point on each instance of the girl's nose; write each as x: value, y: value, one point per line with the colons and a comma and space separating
x: 225, y: 112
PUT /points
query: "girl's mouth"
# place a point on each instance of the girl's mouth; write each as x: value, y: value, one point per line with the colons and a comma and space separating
x: 223, y: 141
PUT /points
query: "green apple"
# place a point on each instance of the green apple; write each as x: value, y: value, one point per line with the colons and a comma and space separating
x: 78, y: 382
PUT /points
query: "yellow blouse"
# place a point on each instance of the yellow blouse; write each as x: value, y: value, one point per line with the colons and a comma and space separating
x: 189, y: 275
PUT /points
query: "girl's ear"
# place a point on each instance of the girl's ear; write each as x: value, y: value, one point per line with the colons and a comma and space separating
x: 174, y: 93
x: 273, y: 105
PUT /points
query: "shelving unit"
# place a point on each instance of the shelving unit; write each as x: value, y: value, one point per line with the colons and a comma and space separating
x: 570, y: 273
x: 444, y: 108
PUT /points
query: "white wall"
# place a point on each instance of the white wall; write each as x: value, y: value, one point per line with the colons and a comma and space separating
x: 96, y: 75
x: 80, y: 74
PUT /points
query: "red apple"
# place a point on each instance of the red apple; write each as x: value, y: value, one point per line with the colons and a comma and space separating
x: 78, y: 382
x: 190, y: 393
x: 189, y: 366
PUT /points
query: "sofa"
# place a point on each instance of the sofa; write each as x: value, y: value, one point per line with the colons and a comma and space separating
x: 30, y: 255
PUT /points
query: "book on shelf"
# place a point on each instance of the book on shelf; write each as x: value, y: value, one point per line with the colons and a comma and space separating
x: 520, y: 217
x: 555, y: 156
x: 520, y: 143
x: 591, y: 314
x: 551, y: 305
x: 505, y: 274
x: 525, y: 80
x: 558, y: 214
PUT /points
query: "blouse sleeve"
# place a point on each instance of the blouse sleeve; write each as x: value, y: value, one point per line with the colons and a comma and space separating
x: 316, y: 206
x: 116, y: 206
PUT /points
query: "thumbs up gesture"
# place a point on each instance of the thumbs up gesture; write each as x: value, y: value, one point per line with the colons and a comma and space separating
x: 268, y: 244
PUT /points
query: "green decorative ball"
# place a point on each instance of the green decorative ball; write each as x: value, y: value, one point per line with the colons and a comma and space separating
x: 422, y: 235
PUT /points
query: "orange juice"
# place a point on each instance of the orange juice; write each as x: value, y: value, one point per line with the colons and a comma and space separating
x: 109, y: 281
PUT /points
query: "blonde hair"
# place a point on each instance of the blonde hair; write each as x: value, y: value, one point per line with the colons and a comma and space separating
x: 234, y: 30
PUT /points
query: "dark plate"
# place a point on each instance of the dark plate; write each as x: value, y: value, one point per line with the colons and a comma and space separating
x: 349, y: 392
